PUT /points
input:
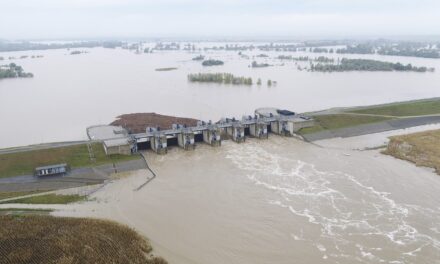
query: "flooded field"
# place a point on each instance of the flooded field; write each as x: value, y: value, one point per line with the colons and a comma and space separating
x: 71, y: 92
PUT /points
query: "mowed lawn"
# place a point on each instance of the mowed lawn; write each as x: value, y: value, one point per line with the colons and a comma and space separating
x: 24, y: 163
x: 416, y: 108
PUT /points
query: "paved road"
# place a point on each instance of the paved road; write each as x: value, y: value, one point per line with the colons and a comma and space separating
x: 76, y: 178
x: 41, y: 146
x: 360, y: 130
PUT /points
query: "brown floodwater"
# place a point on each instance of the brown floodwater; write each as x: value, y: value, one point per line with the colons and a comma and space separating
x: 71, y: 92
x: 278, y: 201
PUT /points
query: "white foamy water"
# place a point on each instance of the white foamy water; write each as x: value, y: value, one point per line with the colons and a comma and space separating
x: 356, y: 221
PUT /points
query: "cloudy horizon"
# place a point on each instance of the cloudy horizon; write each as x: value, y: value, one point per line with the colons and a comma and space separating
x: 52, y: 19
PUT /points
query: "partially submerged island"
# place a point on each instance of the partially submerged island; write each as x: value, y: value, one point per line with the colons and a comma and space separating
x: 13, y: 70
x: 212, y: 62
x: 77, y: 52
x: 166, y: 69
x: 198, y: 58
x: 259, y: 65
x: 225, y: 78
x: 365, y: 65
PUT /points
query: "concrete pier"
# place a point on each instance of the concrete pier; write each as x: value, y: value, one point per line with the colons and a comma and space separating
x: 259, y: 130
x: 185, y: 139
x: 212, y: 136
x: 236, y: 132
x: 159, y: 144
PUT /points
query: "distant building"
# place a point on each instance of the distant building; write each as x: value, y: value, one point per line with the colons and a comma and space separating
x: 58, y: 169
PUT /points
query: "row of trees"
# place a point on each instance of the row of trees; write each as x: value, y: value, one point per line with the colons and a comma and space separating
x: 365, y: 65
x: 226, y: 78
x: 13, y: 71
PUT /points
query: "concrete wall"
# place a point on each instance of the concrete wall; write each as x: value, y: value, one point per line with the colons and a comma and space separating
x: 186, y: 140
x: 212, y: 137
x: 298, y: 125
x: 236, y: 133
x: 159, y: 144
x: 258, y: 130
x: 123, y: 150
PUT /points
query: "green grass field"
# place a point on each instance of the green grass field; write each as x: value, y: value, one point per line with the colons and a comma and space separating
x: 6, y: 195
x: 48, y: 199
x: 24, y: 163
x: 336, y: 121
x: 415, y: 108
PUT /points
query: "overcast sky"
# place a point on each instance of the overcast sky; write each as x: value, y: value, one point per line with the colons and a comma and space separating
x: 21, y: 19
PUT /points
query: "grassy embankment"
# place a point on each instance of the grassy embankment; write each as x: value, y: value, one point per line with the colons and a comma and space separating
x: 336, y: 121
x: 367, y: 115
x: 24, y: 163
x: 422, y: 148
x: 48, y: 199
x: 47, y: 239
x: 415, y: 108
x: 8, y: 195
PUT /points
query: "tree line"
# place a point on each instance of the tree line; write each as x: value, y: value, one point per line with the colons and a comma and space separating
x: 13, y: 71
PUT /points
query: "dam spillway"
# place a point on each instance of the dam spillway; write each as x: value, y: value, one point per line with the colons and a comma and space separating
x: 117, y: 140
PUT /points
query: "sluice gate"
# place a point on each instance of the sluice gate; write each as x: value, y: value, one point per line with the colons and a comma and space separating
x: 265, y: 121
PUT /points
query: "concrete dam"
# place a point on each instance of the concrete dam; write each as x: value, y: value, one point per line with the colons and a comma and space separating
x: 117, y: 139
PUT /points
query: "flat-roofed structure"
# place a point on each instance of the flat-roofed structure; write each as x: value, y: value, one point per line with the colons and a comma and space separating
x: 121, y: 146
x: 115, y: 139
x: 57, y: 169
x: 105, y: 132
x: 284, y: 122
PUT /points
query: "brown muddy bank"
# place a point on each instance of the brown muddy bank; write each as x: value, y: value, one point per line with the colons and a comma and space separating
x: 138, y: 122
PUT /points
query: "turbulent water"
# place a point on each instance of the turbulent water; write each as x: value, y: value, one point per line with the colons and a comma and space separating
x: 71, y: 92
x: 356, y: 220
x: 279, y: 201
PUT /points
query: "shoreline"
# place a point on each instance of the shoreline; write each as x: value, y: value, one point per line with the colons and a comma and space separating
x: 153, y: 210
x: 135, y: 118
